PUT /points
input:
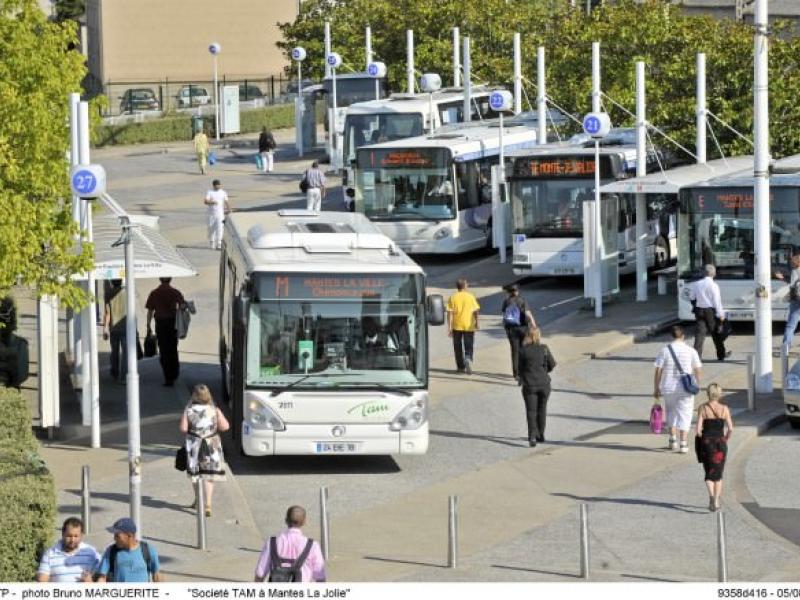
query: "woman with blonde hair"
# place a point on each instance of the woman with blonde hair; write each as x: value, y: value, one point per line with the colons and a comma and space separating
x: 535, y: 364
x: 714, y: 428
x: 201, y: 422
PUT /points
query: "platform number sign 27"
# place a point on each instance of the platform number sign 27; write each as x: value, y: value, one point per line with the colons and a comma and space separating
x: 88, y: 181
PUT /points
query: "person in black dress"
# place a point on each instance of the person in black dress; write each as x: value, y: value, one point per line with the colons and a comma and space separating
x: 714, y: 428
x: 535, y: 364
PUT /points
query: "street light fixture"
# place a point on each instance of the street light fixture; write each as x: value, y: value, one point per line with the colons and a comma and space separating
x: 430, y: 82
x: 214, y: 48
x: 334, y: 61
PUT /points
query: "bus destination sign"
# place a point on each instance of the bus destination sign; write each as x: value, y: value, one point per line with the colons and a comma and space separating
x: 408, y: 158
x: 335, y: 286
x: 559, y: 166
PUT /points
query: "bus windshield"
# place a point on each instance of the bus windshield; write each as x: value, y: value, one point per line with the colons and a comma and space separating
x: 716, y: 227
x: 550, y: 207
x: 346, y: 330
x: 405, y: 184
x: 360, y: 130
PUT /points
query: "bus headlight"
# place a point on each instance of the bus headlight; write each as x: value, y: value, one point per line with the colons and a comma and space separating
x: 441, y: 234
x: 262, y: 417
x: 411, y: 417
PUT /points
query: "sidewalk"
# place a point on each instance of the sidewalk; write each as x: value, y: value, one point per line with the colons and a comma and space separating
x: 523, y: 506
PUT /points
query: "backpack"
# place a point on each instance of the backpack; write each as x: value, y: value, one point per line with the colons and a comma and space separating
x: 794, y: 292
x: 112, y: 559
x: 304, y: 183
x: 280, y: 574
x: 512, y: 315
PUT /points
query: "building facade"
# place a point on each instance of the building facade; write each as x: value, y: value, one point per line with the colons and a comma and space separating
x: 154, y: 40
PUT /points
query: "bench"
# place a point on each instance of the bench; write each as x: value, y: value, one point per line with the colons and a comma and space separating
x: 663, y: 277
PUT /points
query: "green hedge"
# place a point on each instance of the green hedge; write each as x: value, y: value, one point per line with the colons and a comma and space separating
x: 27, y: 492
x: 176, y: 129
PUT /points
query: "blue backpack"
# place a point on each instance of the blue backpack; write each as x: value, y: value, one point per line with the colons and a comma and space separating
x: 512, y: 315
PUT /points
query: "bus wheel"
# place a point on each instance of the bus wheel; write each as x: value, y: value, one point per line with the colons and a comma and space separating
x: 794, y: 422
x: 661, y: 253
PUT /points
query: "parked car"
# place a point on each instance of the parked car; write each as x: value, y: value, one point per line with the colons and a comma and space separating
x: 291, y: 87
x: 137, y: 99
x: 192, y: 95
x: 249, y: 92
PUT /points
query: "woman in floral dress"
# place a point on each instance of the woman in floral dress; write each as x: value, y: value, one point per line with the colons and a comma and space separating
x: 714, y: 428
x: 202, y: 422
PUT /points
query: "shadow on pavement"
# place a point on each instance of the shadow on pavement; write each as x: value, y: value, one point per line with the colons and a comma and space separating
x: 540, y: 571
x: 687, y: 508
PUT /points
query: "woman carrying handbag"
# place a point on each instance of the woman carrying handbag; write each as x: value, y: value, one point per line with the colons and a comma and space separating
x: 201, y: 422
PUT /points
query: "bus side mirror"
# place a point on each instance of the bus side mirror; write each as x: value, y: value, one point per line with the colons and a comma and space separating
x: 435, y: 307
x: 240, y: 306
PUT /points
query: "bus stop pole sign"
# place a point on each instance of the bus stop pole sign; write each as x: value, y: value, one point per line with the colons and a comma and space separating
x: 88, y: 181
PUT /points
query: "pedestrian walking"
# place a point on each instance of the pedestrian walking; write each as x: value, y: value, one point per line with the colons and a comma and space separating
x: 128, y: 560
x: 70, y: 560
x: 793, y: 318
x: 201, y: 148
x: 535, y: 363
x: 218, y: 206
x: 708, y: 313
x: 462, y: 322
x: 674, y: 360
x: 201, y: 423
x: 714, y: 428
x: 163, y: 304
x: 266, y: 147
x: 291, y: 556
x: 517, y: 318
x: 114, y: 329
x: 315, y: 187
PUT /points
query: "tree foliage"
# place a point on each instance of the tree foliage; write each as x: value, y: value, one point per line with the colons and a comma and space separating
x: 36, y: 74
x: 655, y: 31
x: 69, y: 9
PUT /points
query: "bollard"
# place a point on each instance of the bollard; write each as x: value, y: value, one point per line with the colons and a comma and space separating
x: 584, y: 535
x: 452, y: 532
x: 201, y: 513
x: 85, y: 498
x: 323, y: 522
x: 722, y: 550
x: 751, y: 381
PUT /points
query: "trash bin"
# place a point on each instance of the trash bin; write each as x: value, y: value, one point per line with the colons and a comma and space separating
x: 197, y: 124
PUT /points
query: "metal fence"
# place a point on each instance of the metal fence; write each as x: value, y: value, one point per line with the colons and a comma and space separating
x: 146, y: 98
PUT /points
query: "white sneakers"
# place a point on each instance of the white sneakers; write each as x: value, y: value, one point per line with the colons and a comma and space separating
x: 684, y: 447
x: 673, y: 443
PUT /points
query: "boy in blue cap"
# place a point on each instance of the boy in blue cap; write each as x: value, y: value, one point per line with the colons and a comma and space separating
x: 128, y: 560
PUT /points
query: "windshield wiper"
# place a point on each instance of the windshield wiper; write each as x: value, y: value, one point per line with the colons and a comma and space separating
x: 390, y: 388
x: 308, y: 376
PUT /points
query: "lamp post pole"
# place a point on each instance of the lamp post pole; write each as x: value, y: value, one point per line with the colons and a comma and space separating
x: 215, y: 49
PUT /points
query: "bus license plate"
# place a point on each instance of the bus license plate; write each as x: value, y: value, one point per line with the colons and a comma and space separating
x: 337, y: 447
x: 564, y: 271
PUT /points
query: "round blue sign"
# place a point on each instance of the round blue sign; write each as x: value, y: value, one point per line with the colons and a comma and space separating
x: 496, y: 101
x: 84, y: 182
x: 372, y: 70
x: 591, y: 124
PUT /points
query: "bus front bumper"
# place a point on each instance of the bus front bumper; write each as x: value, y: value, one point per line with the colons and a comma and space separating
x: 332, y: 439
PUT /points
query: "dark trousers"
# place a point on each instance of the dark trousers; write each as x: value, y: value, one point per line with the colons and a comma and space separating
x: 168, y: 348
x: 536, y: 411
x: 119, y: 354
x: 515, y: 337
x: 462, y: 347
x: 707, y: 323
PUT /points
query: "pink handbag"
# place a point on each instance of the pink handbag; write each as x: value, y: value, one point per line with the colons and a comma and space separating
x: 656, y: 418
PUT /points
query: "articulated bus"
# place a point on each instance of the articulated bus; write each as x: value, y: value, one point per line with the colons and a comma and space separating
x: 715, y: 226
x: 406, y: 115
x: 548, y: 187
x: 323, y: 336
x: 432, y: 194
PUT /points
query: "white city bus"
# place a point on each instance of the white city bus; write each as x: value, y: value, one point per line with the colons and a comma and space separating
x: 660, y: 190
x: 323, y: 336
x: 432, y: 194
x: 548, y: 187
x: 405, y: 115
x: 715, y: 226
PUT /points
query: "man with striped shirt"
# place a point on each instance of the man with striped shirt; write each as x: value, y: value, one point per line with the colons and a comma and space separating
x: 69, y: 560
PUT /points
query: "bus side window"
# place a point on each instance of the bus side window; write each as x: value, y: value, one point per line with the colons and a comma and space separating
x: 466, y: 174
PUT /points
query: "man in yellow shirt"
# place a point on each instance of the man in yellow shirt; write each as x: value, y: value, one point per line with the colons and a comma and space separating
x: 201, y: 149
x: 462, y: 322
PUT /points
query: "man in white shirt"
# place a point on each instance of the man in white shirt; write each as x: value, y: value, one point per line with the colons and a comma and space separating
x: 679, y: 404
x: 217, y: 202
x: 292, y: 550
x: 708, y: 312
x: 316, y: 187
x: 793, y: 318
x: 69, y: 560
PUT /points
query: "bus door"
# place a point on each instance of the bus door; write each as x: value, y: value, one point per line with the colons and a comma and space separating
x: 609, y: 254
